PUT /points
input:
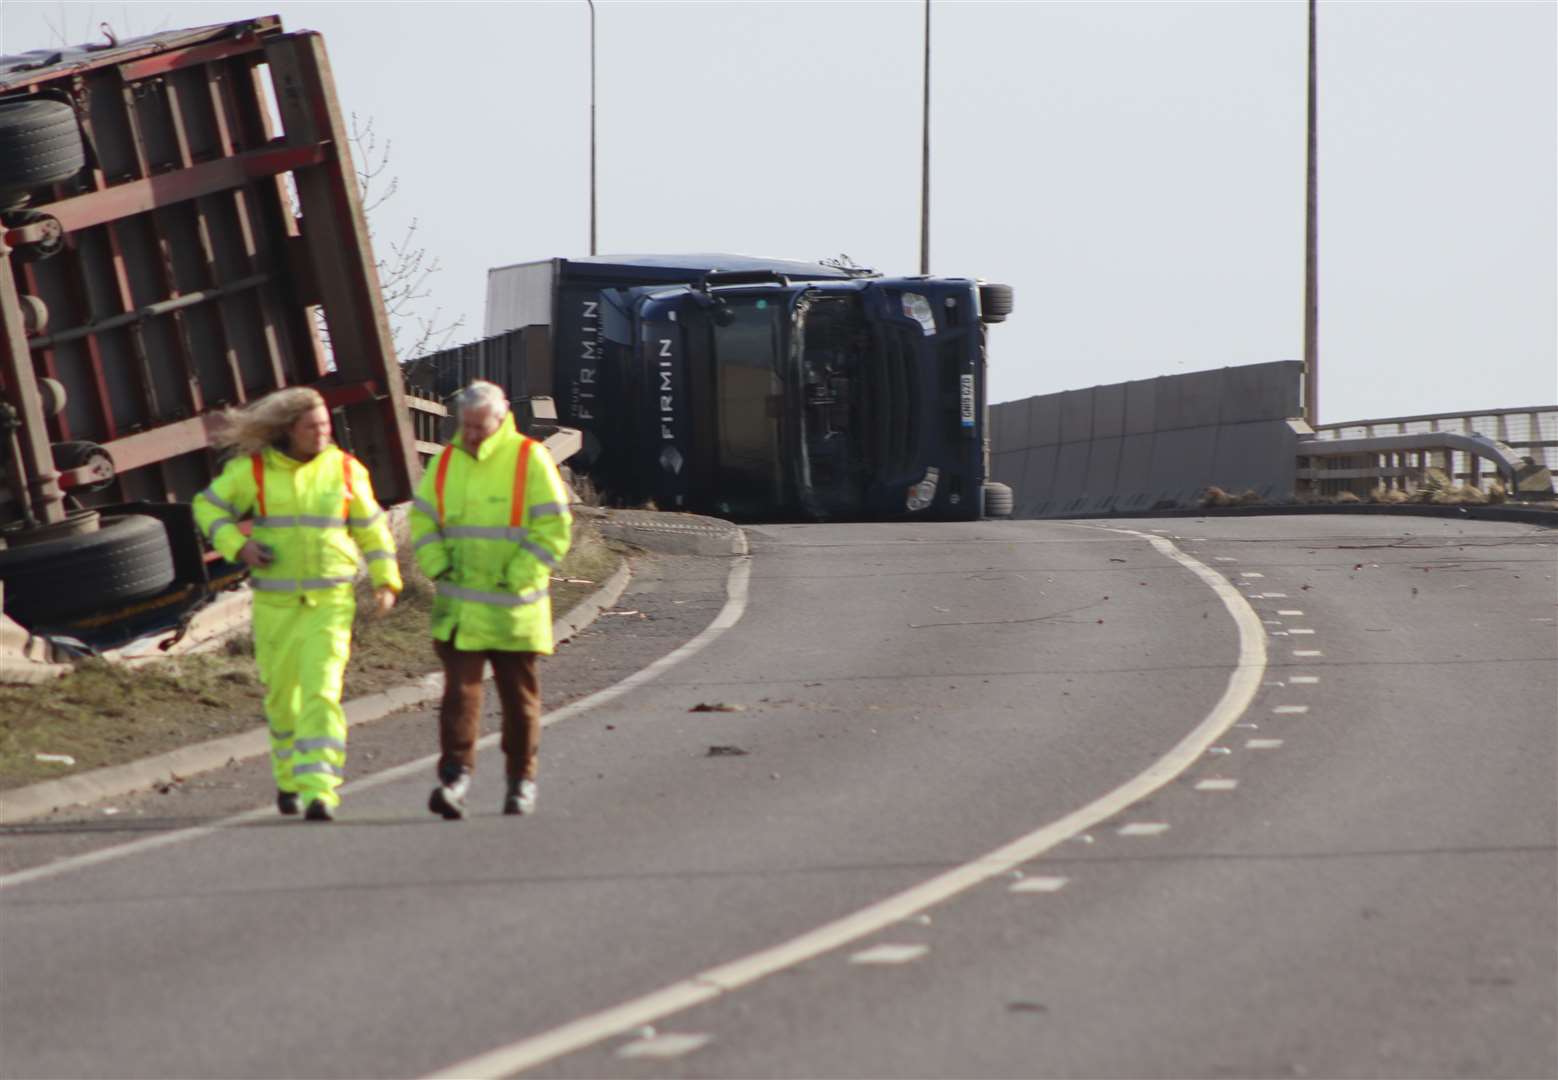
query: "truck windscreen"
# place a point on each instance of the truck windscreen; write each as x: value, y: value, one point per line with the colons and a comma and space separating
x: 836, y: 349
x: 748, y: 352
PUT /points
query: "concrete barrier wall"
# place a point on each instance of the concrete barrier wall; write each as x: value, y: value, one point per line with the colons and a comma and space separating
x: 1133, y: 446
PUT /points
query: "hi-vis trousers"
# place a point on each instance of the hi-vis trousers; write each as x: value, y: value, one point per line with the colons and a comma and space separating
x: 301, y: 645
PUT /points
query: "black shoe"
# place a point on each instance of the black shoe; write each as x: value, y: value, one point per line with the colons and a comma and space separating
x: 287, y: 802
x: 449, y: 799
x: 520, y: 798
x: 319, y: 810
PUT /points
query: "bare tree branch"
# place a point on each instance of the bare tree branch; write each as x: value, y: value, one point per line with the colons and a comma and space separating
x: 407, y: 268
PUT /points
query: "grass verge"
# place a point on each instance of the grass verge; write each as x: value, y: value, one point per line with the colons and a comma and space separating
x: 105, y: 714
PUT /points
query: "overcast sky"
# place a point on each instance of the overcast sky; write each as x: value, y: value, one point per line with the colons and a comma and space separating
x: 1134, y: 170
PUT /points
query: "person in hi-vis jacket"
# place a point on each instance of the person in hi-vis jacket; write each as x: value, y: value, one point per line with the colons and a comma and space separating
x: 313, y: 514
x: 489, y: 524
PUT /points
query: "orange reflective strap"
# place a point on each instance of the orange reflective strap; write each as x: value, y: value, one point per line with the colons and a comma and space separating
x: 257, y: 462
x: 438, y: 485
x: 521, y: 470
x: 346, y: 476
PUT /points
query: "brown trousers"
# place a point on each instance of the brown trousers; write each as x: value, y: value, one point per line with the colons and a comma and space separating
x: 459, y: 717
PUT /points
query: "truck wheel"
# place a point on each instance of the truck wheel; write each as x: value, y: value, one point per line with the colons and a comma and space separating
x: 128, y: 558
x: 998, y: 500
x: 40, y: 143
x: 995, y: 302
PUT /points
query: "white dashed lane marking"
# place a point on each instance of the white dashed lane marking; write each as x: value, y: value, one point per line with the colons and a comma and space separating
x: 1039, y: 884
x: 671, y: 1044
x: 1300, y: 630
x: 1289, y: 611
x: 1291, y: 710
x: 1303, y: 680
x: 889, y: 954
x: 1262, y: 744
x: 1307, y: 652
x: 1143, y: 828
x: 1251, y: 574
x: 1217, y: 785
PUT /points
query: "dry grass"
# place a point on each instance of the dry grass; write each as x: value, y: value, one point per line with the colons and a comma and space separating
x: 105, y: 714
x: 1215, y: 497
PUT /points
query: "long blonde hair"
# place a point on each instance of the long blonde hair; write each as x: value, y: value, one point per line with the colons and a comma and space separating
x: 265, y: 423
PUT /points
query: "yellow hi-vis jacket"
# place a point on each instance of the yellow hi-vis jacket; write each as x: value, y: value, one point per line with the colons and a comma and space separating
x: 314, y: 516
x: 489, y: 529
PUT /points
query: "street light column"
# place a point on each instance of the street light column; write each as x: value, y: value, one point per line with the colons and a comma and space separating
x: 1311, y: 248
x: 925, y: 157
x: 592, y: 127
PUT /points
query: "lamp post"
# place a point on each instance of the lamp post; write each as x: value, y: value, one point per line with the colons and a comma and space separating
x: 925, y: 156
x: 592, y: 127
x: 1311, y: 252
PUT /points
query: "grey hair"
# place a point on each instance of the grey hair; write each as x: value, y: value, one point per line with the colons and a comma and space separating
x: 482, y: 394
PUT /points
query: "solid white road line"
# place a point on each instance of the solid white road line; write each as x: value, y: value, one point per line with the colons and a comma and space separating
x: 736, y: 586
x: 1244, y: 682
x: 671, y: 1044
x: 890, y: 954
x: 1039, y: 885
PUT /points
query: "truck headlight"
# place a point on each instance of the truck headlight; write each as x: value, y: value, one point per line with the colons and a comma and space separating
x: 917, y: 308
x: 921, y: 495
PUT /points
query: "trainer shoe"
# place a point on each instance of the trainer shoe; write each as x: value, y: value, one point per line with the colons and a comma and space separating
x: 287, y: 802
x: 319, y: 810
x: 449, y: 799
x: 520, y: 798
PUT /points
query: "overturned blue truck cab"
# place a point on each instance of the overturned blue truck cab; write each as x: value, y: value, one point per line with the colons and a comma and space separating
x: 767, y: 389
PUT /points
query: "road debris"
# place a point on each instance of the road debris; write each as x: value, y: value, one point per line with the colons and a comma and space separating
x: 727, y: 751
x: 717, y: 706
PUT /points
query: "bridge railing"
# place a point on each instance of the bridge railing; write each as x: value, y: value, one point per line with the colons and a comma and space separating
x: 1470, y: 448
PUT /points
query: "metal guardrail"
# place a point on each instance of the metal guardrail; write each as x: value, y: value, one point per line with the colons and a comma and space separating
x: 431, y: 427
x: 1518, y: 446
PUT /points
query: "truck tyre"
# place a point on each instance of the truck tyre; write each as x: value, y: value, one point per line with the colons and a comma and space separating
x: 995, y: 302
x: 128, y: 558
x: 998, y: 500
x: 40, y: 143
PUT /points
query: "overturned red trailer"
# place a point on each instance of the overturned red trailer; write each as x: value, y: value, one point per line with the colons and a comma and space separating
x: 182, y: 232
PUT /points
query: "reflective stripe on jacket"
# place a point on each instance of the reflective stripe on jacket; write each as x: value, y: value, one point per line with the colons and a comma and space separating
x: 314, y: 516
x: 490, y: 529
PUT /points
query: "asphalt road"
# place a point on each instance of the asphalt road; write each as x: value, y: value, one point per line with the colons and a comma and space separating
x: 1367, y: 888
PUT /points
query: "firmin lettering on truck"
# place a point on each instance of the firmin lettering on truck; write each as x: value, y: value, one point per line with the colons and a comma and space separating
x: 582, y: 392
x: 666, y: 360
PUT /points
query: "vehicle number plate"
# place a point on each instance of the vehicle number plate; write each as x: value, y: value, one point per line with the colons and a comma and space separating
x: 968, y: 400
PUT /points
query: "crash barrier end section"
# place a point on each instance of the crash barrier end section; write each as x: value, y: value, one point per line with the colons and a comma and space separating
x: 1501, y: 453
